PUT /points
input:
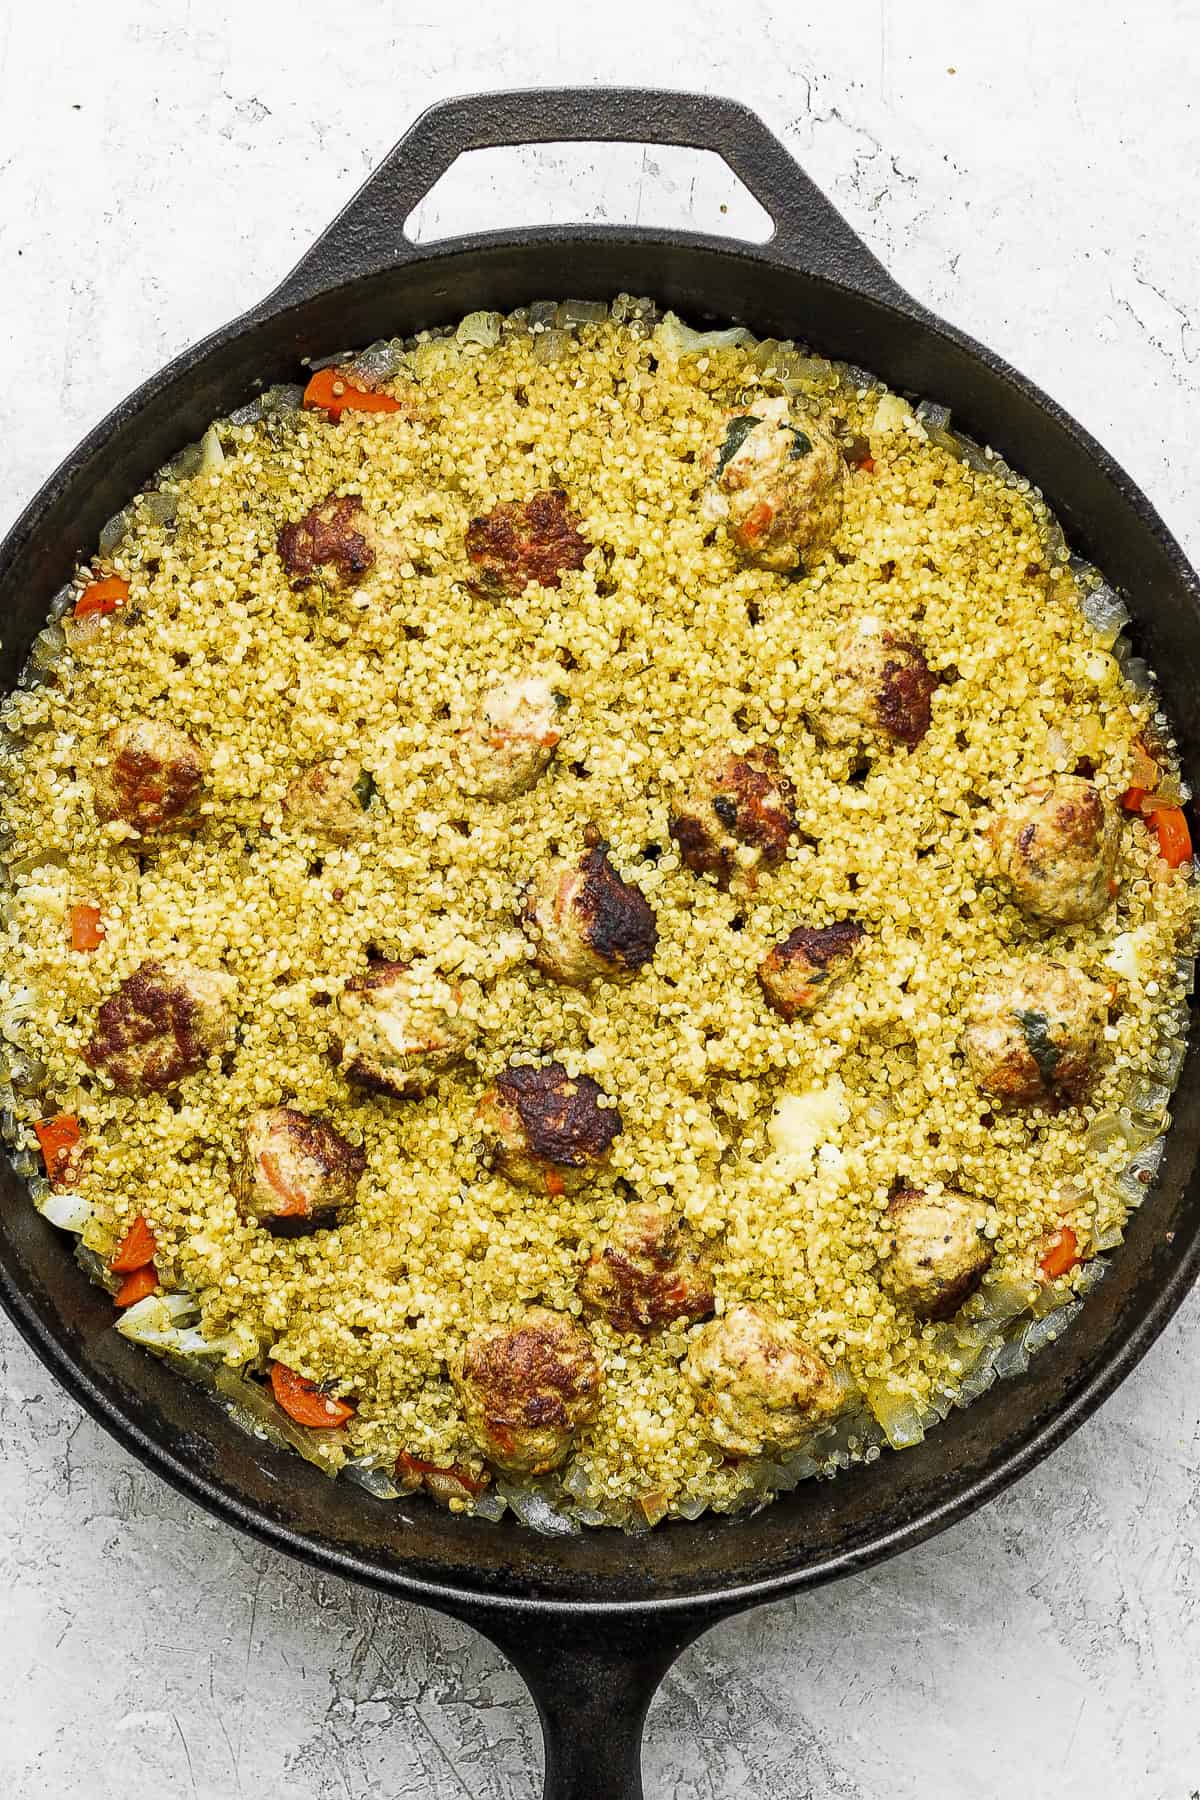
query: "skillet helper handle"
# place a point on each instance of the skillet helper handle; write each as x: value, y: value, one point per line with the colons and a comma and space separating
x: 592, y: 1678
x: 368, y: 234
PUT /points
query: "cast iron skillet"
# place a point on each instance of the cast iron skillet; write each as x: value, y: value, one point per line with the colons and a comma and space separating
x: 593, y: 1622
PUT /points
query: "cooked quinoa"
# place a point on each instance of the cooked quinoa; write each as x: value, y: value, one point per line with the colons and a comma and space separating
x: 337, y: 602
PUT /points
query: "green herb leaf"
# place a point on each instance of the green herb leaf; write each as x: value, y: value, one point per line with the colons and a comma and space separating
x: 801, y: 445
x: 364, y: 788
x: 1036, y: 1032
x: 736, y: 433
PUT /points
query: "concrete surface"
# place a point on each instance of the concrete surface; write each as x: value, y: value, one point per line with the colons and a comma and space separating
x: 1031, y: 171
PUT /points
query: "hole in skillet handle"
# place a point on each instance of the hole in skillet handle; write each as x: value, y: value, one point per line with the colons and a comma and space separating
x: 369, y: 234
x: 667, y: 188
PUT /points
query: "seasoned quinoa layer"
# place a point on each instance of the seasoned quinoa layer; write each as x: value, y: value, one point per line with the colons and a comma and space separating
x: 778, y: 1141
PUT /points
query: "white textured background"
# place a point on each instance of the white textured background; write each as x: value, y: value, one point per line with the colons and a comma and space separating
x: 1032, y: 172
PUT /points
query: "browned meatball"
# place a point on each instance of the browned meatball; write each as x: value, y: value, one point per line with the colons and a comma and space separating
x: 152, y: 776
x: 400, y: 1026
x: 162, y: 1023
x: 545, y: 1129
x: 651, y: 1269
x: 777, y: 483
x: 735, y: 803
x: 527, y: 1389
x: 332, y: 799
x: 333, y: 541
x: 806, y: 964
x: 758, y: 1385
x: 1057, y: 848
x: 1035, y: 1034
x: 298, y: 1171
x: 879, y: 691
x: 939, y: 1253
x: 526, y: 540
x: 586, y: 923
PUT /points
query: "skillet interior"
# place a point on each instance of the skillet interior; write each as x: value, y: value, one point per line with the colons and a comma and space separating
x: 822, y: 1529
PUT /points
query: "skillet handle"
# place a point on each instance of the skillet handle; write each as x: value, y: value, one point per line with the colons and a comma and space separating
x: 368, y: 234
x: 592, y: 1677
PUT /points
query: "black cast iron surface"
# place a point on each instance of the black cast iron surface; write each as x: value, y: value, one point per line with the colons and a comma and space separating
x: 593, y: 1621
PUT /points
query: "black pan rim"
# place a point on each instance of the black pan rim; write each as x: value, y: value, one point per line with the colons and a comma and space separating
x: 1019, y: 1454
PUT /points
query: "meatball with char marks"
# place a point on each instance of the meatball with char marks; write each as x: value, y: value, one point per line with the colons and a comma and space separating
x: 523, y: 541
x: 586, y: 923
x: 298, y: 1172
x: 400, y: 1026
x: 1057, y: 849
x: 152, y: 777
x: 651, y: 1270
x: 1035, y: 1035
x: 939, y: 1253
x: 759, y: 1386
x: 528, y: 1389
x: 803, y: 967
x: 162, y: 1024
x: 778, y: 485
x: 545, y: 1129
x: 736, y: 803
x: 333, y: 541
x: 879, y: 691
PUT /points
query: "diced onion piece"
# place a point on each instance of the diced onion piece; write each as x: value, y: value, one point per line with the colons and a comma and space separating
x: 1043, y: 1331
x: 70, y: 1212
x: 283, y: 397
x: 535, y: 1510
x: 580, y: 312
x: 376, y: 1481
x: 902, y: 1422
x: 931, y: 414
x: 552, y: 345
x: 212, y: 456
x: 489, y: 1505
x: 381, y: 361
x: 1106, y: 613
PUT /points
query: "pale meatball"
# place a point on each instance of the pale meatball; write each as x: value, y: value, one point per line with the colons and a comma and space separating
x: 735, y: 803
x: 151, y: 775
x: 527, y: 1389
x: 399, y: 1027
x: 1057, y: 848
x: 1035, y: 1035
x: 586, y: 923
x: 778, y: 485
x: 545, y: 1129
x: 332, y: 799
x: 878, y: 692
x: 759, y: 1387
x: 804, y: 966
x: 939, y: 1253
x: 510, y: 744
x: 162, y: 1023
x: 298, y: 1172
x: 650, y: 1270
x: 332, y: 543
